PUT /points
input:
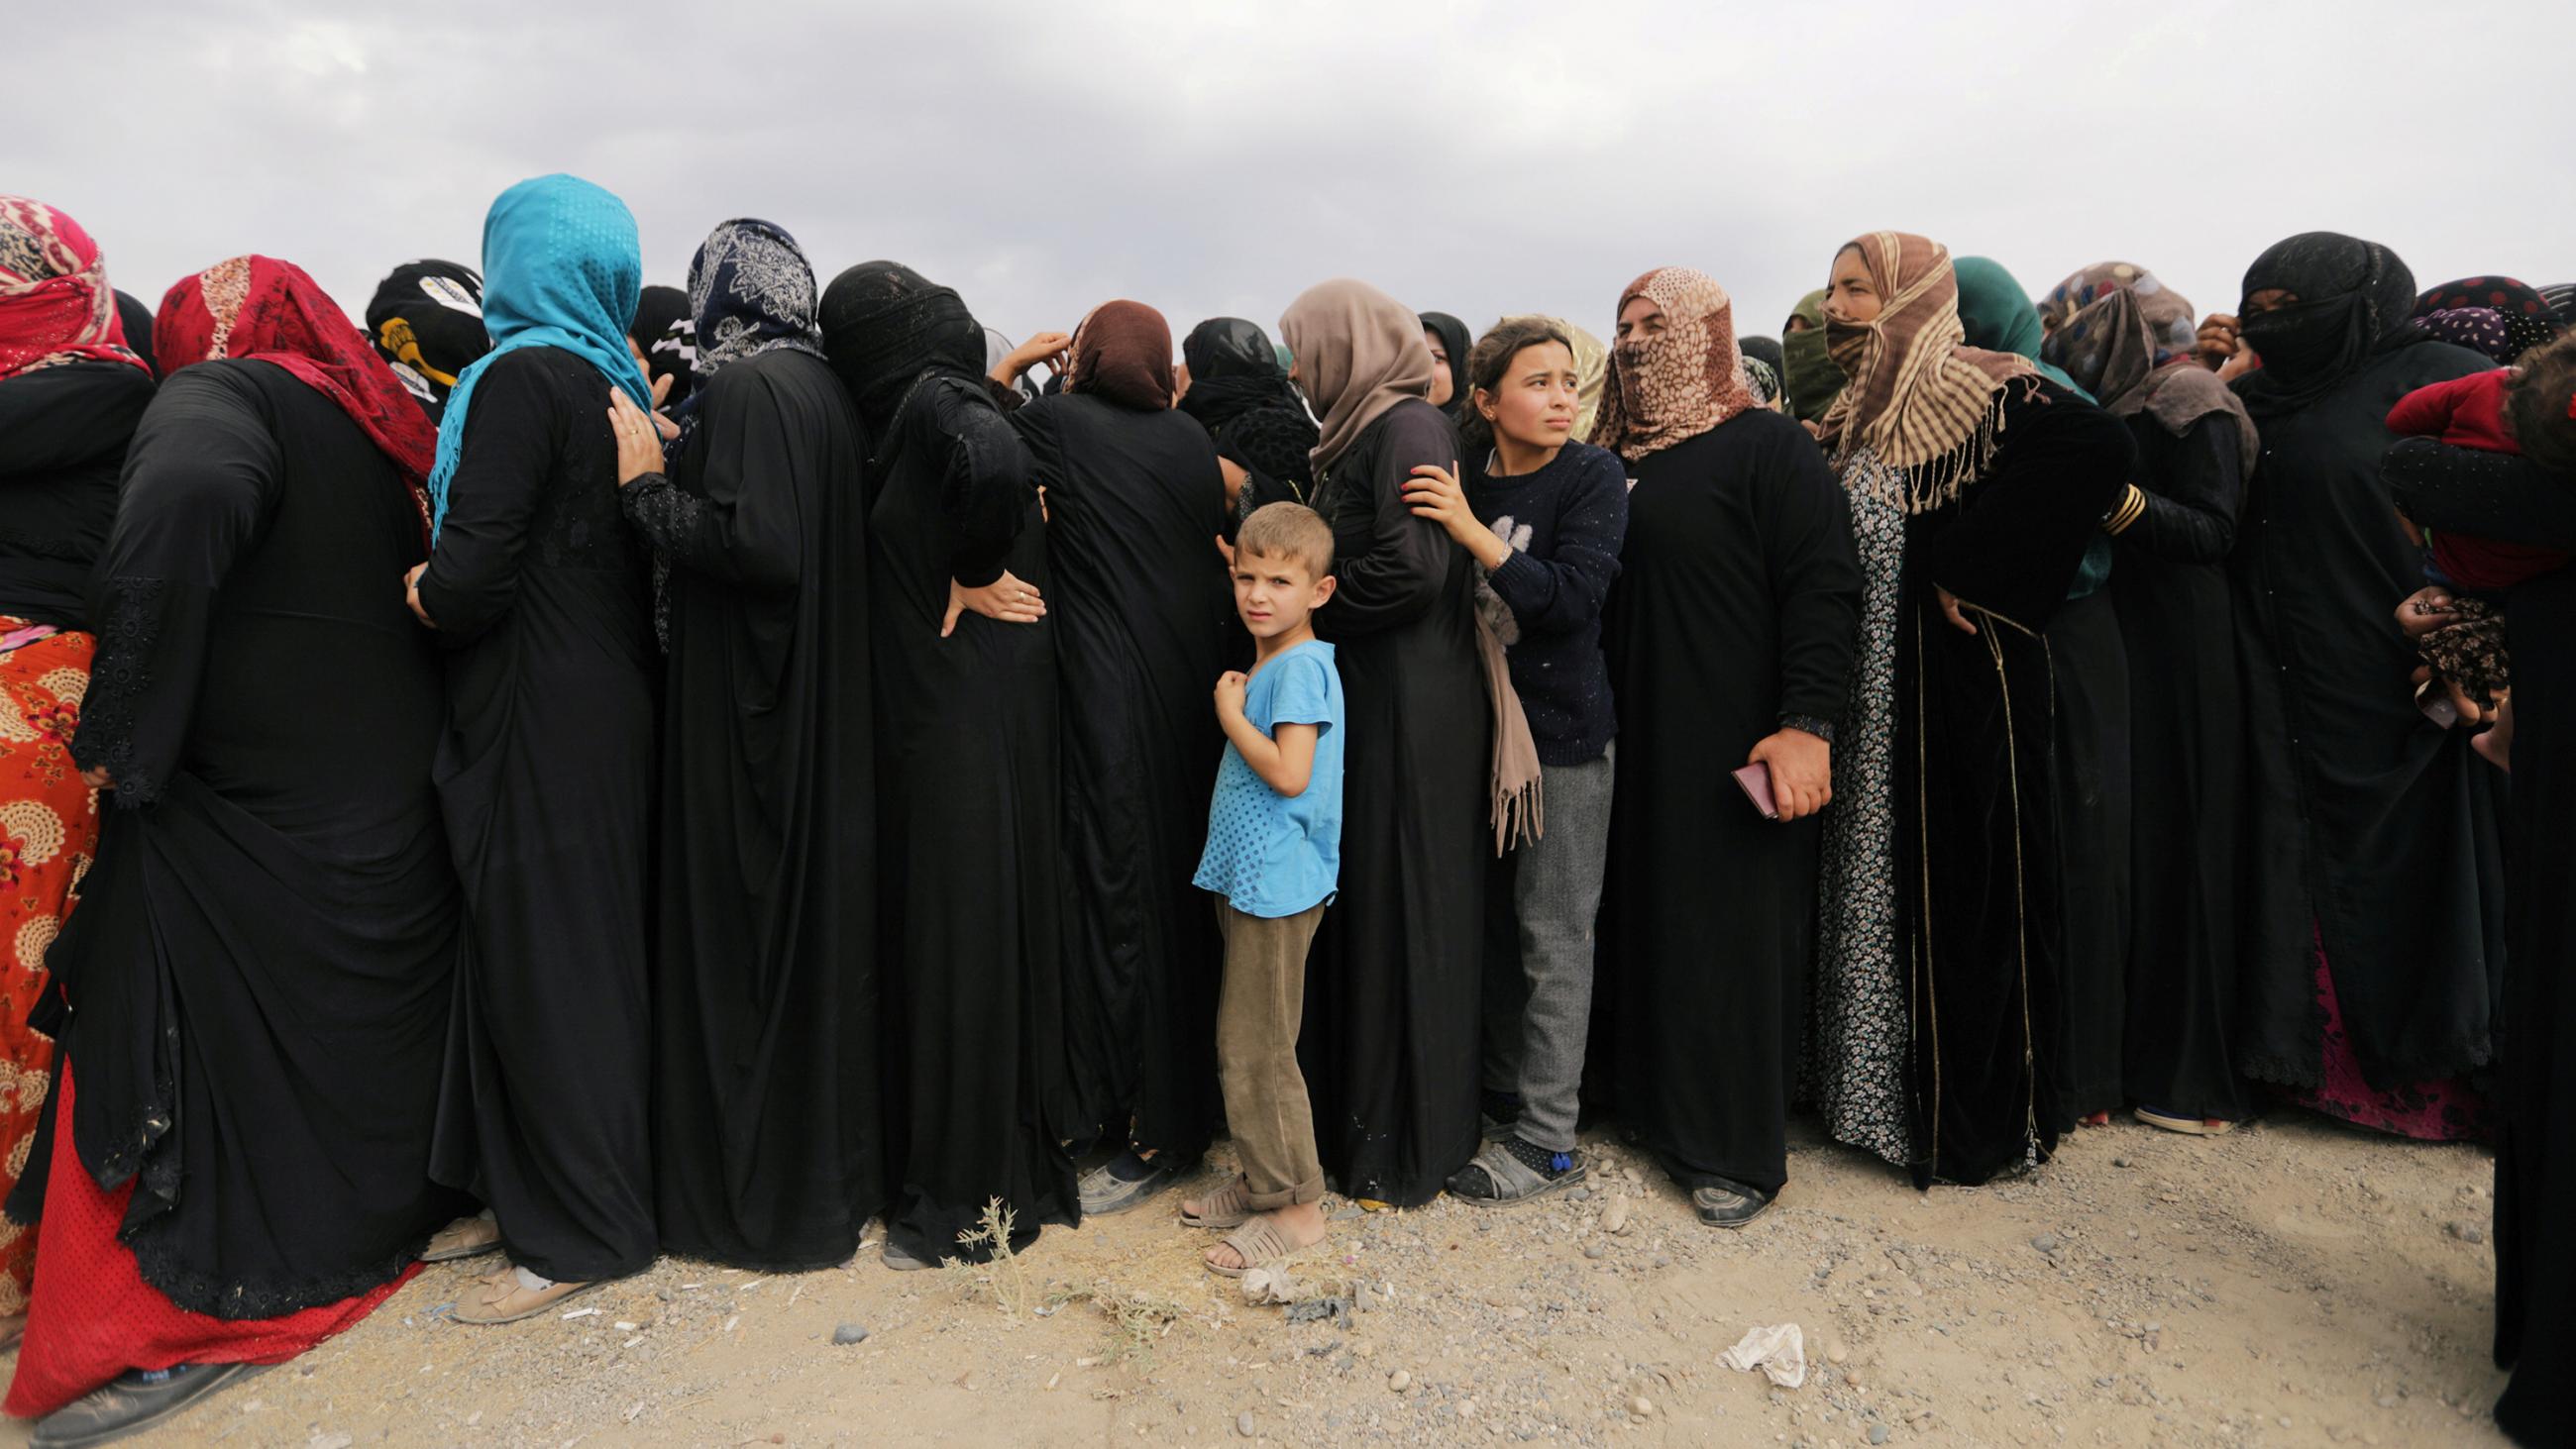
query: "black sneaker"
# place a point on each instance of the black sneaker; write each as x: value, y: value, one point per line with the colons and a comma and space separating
x: 1127, y: 1180
x: 1723, y: 1204
x: 135, y: 1401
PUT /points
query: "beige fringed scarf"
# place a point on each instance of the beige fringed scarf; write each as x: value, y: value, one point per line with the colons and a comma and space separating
x: 1519, y: 803
x: 1921, y: 402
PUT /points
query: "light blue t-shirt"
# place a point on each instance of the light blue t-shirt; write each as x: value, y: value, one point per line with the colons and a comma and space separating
x: 1269, y: 855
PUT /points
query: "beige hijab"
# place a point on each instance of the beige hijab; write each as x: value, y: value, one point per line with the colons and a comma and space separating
x: 1359, y: 352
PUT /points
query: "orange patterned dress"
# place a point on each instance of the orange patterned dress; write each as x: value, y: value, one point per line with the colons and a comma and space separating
x: 48, y: 832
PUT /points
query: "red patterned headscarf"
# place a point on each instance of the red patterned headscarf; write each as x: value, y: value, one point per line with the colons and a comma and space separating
x: 55, y: 304
x: 1681, y: 382
x: 266, y: 310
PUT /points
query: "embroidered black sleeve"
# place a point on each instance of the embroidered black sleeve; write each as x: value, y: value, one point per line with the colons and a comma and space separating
x: 672, y: 520
x: 119, y: 676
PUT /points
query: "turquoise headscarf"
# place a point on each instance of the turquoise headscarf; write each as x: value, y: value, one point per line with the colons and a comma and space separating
x: 2000, y: 317
x: 562, y: 267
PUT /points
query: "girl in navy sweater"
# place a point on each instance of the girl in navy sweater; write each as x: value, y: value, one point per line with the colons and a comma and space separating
x: 1544, y: 516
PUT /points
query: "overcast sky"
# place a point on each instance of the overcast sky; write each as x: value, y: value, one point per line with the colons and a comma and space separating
x: 1212, y: 157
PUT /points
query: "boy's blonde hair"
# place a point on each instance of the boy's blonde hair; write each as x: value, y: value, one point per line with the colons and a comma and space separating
x: 1290, y: 531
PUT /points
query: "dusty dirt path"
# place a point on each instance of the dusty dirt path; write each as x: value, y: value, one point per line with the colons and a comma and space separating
x: 2293, y: 1284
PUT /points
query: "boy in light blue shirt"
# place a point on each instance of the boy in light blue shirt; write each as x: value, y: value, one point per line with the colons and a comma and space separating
x: 1273, y: 858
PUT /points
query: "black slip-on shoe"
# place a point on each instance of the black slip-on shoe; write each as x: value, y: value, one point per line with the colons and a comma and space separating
x: 1729, y: 1205
x: 134, y: 1402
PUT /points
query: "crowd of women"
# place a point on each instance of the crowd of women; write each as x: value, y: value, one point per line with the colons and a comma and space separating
x: 576, y: 771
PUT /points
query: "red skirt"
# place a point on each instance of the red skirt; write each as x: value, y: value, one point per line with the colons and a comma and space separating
x: 48, y: 832
x: 97, y: 1318
x: 2448, y: 1110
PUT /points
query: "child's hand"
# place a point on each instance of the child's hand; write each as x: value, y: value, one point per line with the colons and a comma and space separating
x: 1434, y: 492
x: 1229, y: 693
x: 2426, y: 610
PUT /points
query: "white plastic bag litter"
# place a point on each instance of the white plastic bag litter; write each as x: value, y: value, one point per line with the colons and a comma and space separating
x: 1779, y: 1351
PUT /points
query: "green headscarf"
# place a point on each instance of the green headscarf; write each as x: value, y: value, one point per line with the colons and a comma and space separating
x: 2000, y: 317
x: 1813, y: 378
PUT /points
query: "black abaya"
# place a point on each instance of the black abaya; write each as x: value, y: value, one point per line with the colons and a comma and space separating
x: 1976, y: 833
x: 546, y: 777
x: 2187, y: 739
x: 2370, y: 822
x: 1391, y: 1046
x: 768, y: 1123
x: 2090, y: 665
x: 2513, y: 501
x: 63, y: 433
x: 1737, y: 606
x: 967, y: 824
x: 1140, y: 610
x: 260, y: 971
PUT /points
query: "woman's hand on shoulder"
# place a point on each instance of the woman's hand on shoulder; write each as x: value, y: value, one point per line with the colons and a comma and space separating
x: 640, y: 436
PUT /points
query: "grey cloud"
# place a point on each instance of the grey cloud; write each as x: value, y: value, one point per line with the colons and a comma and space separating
x: 1218, y: 157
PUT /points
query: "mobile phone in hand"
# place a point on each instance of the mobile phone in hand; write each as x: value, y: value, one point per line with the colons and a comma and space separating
x: 1755, y: 781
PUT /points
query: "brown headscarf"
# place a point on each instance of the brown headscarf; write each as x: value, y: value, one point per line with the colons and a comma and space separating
x: 1680, y: 383
x: 2114, y: 349
x: 1359, y: 352
x: 1123, y: 352
x: 1917, y: 396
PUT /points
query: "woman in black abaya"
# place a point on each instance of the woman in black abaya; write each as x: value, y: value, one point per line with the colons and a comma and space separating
x: 767, y: 1121
x: 1391, y: 1043
x: 260, y: 971
x: 538, y: 589
x: 968, y: 887
x: 1239, y: 391
x: 2172, y: 532
x: 1140, y: 607
x: 2376, y: 883
x: 1976, y: 486
x: 2517, y: 500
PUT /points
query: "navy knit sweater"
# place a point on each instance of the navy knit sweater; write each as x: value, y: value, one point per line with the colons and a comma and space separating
x: 1564, y: 523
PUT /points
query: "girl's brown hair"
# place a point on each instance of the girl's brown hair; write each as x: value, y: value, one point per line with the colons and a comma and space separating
x: 2538, y: 404
x: 1490, y: 359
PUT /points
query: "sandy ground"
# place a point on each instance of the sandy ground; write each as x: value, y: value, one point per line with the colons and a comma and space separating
x: 2293, y: 1284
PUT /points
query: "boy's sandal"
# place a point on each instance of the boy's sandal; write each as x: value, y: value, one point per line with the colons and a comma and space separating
x: 1227, y: 1207
x: 1259, y: 1243
x: 2187, y: 1125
